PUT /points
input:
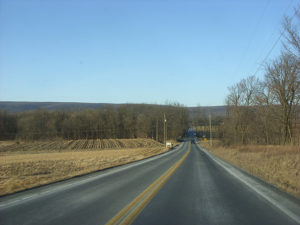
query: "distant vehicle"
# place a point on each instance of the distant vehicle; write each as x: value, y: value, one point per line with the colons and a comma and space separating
x: 169, y: 144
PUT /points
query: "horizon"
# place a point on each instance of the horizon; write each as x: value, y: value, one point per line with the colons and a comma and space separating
x: 126, y: 103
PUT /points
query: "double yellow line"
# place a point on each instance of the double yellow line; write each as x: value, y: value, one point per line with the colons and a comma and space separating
x: 127, y: 215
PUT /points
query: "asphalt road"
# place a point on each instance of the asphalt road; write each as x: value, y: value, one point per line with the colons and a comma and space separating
x: 187, y: 185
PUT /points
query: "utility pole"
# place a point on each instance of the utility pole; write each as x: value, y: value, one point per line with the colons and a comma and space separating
x: 156, y: 129
x: 165, y: 129
x: 210, y: 133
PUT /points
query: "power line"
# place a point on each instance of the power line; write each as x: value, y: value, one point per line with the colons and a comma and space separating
x: 268, y: 54
x: 273, y: 33
x: 273, y: 46
x: 252, y: 37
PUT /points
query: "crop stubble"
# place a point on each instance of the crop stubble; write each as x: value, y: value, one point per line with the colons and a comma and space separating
x: 26, y: 165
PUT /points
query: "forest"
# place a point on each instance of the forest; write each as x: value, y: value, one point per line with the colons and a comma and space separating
x: 126, y: 121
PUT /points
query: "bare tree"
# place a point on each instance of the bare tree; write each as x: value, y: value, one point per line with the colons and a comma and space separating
x: 240, y: 113
x: 292, y: 34
x: 283, y: 80
x: 266, y: 121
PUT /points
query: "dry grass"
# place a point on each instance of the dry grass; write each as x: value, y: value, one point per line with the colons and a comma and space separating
x: 24, y: 169
x: 278, y: 165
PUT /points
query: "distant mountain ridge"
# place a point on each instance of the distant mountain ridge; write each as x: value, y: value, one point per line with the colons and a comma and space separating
x: 213, y: 110
x: 14, y: 107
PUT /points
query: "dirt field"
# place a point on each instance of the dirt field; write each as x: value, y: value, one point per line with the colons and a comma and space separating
x: 278, y: 165
x: 22, y: 168
x: 76, y: 145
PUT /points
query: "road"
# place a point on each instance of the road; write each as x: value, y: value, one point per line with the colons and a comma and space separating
x: 187, y: 185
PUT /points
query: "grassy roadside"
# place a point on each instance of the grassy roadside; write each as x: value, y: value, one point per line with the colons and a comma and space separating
x: 278, y: 165
x: 23, y: 170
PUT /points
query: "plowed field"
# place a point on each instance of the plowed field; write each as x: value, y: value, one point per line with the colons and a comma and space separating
x: 27, y: 165
x: 78, y: 145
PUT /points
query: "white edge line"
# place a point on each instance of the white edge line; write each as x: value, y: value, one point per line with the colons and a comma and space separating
x: 250, y: 182
x: 61, y: 187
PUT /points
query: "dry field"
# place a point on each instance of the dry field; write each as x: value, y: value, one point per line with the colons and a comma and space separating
x: 278, y: 165
x: 22, y: 168
x: 76, y: 145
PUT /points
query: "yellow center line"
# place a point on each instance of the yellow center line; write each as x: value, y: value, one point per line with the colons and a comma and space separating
x: 152, y: 189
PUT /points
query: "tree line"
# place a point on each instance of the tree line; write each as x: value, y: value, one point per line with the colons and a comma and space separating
x: 266, y: 111
x: 126, y: 121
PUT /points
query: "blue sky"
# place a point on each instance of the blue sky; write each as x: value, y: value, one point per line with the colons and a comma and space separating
x: 134, y: 51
